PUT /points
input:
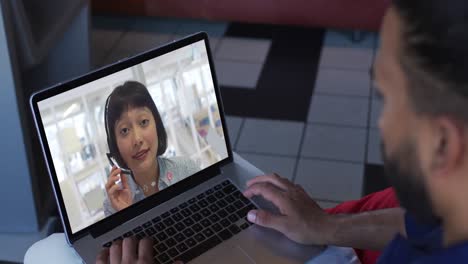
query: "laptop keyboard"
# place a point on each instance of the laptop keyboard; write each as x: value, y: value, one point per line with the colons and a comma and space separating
x: 196, y: 225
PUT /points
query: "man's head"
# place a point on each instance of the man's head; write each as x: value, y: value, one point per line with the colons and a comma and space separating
x: 422, y: 73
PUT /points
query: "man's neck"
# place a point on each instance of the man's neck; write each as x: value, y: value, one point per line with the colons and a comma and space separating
x: 455, y: 227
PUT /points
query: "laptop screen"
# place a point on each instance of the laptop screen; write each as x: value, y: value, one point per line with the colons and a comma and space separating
x: 119, y: 139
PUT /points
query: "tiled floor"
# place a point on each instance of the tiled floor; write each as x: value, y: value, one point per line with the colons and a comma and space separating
x: 358, y: 83
x: 330, y: 180
x: 308, y: 112
x: 338, y: 143
x: 339, y: 110
x: 276, y: 137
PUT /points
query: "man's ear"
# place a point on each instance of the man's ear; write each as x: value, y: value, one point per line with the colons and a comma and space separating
x: 449, y: 146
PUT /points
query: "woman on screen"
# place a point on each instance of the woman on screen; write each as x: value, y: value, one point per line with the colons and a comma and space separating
x: 137, y: 139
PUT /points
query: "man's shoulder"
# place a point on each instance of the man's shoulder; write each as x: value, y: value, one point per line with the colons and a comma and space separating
x: 427, y: 237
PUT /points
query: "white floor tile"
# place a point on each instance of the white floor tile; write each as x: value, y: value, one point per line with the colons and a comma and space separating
x: 343, y: 82
x: 376, y: 109
x: 233, y: 124
x: 243, y: 49
x: 339, y: 110
x: 283, y: 166
x: 333, y: 142
x: 270, y: 137
x: 374, y: 91
x: 336, y: 181
x: 214, y: 42
x: 238, y: 74
x: 133, y: 43
x: 346, y: 58
x: 374, y: 154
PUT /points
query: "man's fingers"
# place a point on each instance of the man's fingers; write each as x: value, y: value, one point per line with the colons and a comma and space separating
x: 267, y: 219
x: 145, y: 250
x: 103, y: 257
x: 274, y: 179
x: 269, y: 192
x: 129, y: 250
x: 115, y: 252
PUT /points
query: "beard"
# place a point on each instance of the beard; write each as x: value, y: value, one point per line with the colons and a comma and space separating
x: 404, y: 173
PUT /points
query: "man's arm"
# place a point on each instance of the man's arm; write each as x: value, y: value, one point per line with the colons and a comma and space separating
x: 369, y: 230
x: 303, y: 221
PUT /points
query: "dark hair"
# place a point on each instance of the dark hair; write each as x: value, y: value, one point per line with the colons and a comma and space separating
x: 434, y: 55
x: 128, y: 95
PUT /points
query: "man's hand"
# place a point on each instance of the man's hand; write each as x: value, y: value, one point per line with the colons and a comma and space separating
x: 130, y: 250
x: 301, y: 219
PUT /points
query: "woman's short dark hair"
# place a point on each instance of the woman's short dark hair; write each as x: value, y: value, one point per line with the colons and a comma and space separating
x: 129, y: 95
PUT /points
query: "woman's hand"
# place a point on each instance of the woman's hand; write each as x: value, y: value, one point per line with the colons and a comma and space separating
x: 119, y: 198
x: 128, y: 251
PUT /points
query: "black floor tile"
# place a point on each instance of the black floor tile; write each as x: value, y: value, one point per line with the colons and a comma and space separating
x: 286, y: 83
x: 374, y: 179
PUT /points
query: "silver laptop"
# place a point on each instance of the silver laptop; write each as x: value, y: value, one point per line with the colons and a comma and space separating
x: 157, y: 116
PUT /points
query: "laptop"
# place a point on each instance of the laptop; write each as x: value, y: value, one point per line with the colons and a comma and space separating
x: 193, y: 209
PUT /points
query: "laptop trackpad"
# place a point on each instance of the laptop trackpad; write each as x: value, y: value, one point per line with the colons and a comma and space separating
x: 226, y: 255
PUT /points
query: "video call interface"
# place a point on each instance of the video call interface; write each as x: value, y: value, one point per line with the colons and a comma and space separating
x: 122, y: 138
